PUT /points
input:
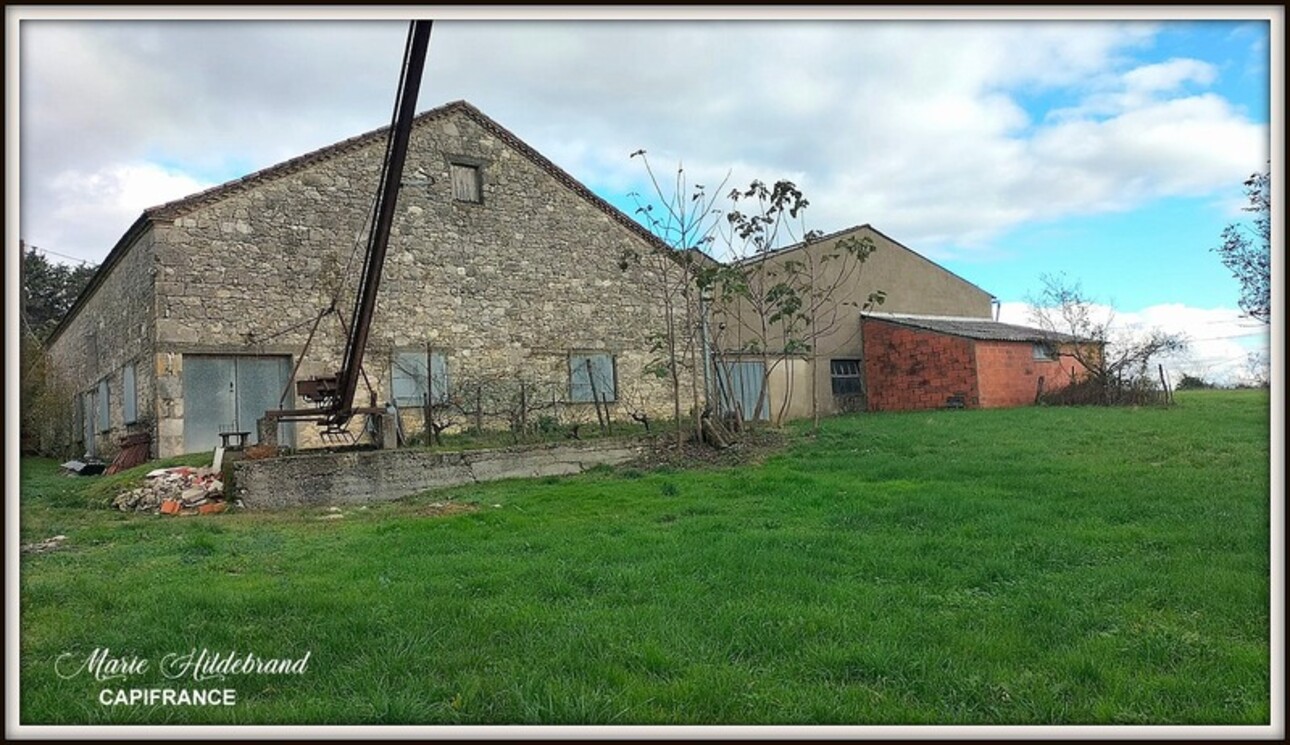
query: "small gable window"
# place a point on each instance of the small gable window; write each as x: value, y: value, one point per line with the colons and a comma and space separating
x: 466, y: 183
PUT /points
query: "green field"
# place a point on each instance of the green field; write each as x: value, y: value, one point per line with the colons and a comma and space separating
x: 1037, y: 565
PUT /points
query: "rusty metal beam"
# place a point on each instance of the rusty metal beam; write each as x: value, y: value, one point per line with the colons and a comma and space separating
x: 382, y: 217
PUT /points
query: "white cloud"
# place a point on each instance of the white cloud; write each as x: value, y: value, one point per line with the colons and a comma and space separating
x: 110, y: 198
x: 914, y: 127
x: 1168, y: 76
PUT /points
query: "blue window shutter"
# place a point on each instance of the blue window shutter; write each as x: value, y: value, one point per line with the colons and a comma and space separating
x: 439, y: 376
x: 104, y: 407
x: 579, y: 382
x: 602, y: 366
x: 602, y: 369
x: 408, y: 378
x: 129, y: 395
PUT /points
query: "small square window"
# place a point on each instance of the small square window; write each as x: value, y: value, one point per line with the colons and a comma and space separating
x: 1044, y: 351
x: 466, y: 183
x: 846, y: 377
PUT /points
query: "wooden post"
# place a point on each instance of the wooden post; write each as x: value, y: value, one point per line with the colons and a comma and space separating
x: 524, y: 408
x: 429, y: 413
x: 1169, y: 396
x: 595, y: 393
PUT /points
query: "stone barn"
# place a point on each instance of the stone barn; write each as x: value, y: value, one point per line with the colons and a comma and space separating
x: 931, y: 362
x: 501, y: 268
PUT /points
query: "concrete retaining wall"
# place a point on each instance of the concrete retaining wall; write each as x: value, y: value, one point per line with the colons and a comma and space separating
x: 379, y: 475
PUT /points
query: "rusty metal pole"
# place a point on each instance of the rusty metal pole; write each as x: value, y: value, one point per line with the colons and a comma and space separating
x: 382, y: 217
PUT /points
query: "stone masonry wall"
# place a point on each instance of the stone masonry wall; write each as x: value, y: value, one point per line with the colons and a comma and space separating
x: 113, y: 329
x: 378, y: 475
x: 507, y: 287
x: 908, y: 369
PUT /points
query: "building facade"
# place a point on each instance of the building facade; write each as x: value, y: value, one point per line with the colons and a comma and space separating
x: 828, y: 375
x: 501, y: 268
x: 929, y: 362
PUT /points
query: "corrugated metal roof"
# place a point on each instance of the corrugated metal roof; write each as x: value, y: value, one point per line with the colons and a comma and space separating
x: 983, y: 329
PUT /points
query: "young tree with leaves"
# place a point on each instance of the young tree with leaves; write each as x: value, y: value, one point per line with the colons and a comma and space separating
x: 787, y: 302
x: 681, y: 216
x: 1247, y: 250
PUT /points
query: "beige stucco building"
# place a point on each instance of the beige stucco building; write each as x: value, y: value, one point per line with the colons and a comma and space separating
x: 822, y: 360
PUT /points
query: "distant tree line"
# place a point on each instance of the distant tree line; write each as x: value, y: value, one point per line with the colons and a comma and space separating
x: 49, y: 289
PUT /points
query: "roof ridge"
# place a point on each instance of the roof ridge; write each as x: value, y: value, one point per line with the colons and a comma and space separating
x: 561, y: 175
x: 178, y: 207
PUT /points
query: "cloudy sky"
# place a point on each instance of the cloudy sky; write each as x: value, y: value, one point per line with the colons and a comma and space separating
x: 1111, y: 151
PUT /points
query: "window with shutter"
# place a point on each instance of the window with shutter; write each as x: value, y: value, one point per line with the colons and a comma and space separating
x: 104, y: 421
x: 409, y: 383
x: 129, y: 396
x: 591, y: 378
x: 465, y: 183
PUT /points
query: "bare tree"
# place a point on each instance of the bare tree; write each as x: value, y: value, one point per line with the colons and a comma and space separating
x: 682, y: 217
x: 1115, y: 361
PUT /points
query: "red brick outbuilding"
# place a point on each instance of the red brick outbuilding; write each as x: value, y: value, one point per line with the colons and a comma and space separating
x: 931, y: 362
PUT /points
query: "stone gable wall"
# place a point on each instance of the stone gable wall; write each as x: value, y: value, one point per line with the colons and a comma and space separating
x: 508, y: 287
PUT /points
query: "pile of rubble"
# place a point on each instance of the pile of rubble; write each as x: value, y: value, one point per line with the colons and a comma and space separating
x: 181, y: 490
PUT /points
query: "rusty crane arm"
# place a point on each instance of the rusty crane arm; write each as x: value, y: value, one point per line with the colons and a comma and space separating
x: 396, y: 152
x: 334, y: 394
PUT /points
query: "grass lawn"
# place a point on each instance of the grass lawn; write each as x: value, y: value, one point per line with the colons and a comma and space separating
x: 1075, y: 565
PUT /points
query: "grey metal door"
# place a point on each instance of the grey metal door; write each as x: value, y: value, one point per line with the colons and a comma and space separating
x: 742, y: 387
x: 230, y: 394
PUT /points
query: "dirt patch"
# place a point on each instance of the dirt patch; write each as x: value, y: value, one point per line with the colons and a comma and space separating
x: 45, y: 546
x: 752, y: 447
x: 444, y: 509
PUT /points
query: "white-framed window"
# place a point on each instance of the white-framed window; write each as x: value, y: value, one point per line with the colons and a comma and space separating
x: 1044, y: 351
x: 129, y: 395
x: 104, y: 418
x: 592, y: 377
x: 409, y: 383
x: 467, y: 182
